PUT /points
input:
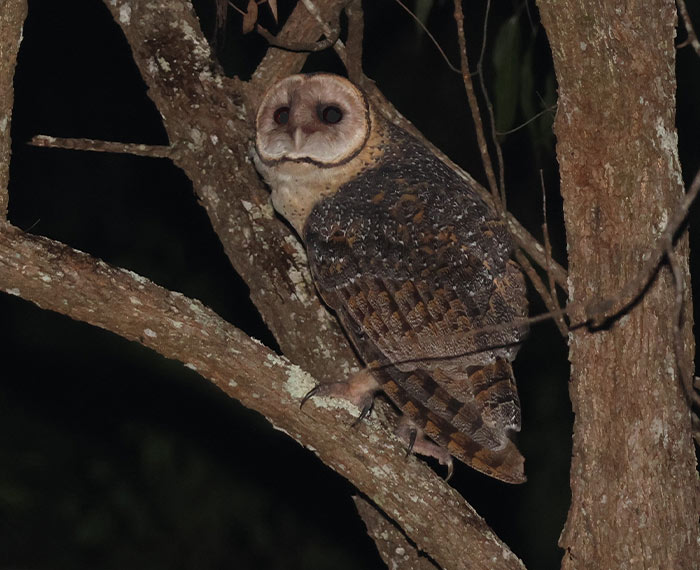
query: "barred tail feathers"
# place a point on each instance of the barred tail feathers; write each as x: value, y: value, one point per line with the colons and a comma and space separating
x: 467, y: 430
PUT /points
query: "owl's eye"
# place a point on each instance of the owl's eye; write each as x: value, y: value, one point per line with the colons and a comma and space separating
x: 330, y: 114
x: 281, y: 116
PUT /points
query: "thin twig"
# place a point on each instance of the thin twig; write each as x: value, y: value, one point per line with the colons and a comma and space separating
x: 692, y: 38
x: 526, y: 123
x: 548, y: 257
x: 550, y: 302
x: 492, y: 118
x: 432, y: 38
x: 474, y: 106
x: 547, y: 242
x: 153, y: 151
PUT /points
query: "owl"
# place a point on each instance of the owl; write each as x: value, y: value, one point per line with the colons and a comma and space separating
x: 413, y: 262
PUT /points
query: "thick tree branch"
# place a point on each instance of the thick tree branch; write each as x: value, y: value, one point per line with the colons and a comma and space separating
x: 208, y: 118
x: 391, y: 542
x: 12, y: 15
x: 434, y: 516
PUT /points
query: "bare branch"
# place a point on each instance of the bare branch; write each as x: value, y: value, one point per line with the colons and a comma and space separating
x: 550, y: 302
x: 152, y: 151
x: 430, y: 36
x: 692, y: 39
x: 57, y: 277
x: 356, y: 26
x: 12, y: 15
x: 474, y: 107
x: 489, y: 109
x: 300, y: 26
x: 320, y: 45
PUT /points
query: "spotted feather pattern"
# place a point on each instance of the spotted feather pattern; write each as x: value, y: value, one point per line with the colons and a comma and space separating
x: 418, y: 269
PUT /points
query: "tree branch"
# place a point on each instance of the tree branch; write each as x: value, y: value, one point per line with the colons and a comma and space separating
x: 396, y: 552
x: 208, y: 117
x: 151, y: 151
x: 692, y: 38
x: 59, y: 278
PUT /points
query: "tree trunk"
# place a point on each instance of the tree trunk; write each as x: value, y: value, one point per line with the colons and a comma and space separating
x: 633, y: 479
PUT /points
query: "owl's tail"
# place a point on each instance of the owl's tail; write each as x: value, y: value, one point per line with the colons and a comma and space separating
x: 468, y: 412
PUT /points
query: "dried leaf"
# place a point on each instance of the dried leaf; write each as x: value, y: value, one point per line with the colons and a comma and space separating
x: 273, y: 9
x: 250, y: 17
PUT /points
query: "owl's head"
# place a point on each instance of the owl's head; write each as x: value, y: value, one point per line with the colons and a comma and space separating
x: 321, y: 119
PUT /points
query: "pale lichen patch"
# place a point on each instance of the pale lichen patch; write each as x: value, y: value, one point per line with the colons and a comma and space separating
x: 125, y: 14
x: 149, y: 333
x: 14, y: 291
x: 659, y: 430
x: 190, y: 366
x: 668, y: 143
x: 298, y: 383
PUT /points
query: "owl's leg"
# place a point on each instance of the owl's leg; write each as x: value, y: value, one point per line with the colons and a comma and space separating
x: 359, y: 389
x: 419, y: 443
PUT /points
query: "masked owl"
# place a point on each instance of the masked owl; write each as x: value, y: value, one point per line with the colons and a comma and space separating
x: 414, y: 263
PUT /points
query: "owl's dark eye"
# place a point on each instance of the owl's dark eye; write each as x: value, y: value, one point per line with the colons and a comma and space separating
x: 330, y: 114
x: 281, y: 116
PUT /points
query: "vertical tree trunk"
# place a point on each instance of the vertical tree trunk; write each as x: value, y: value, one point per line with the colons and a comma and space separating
x: 12, y: 16
x: 634, y: 486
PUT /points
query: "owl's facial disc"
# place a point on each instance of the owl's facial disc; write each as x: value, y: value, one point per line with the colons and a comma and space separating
x: 322, y: 119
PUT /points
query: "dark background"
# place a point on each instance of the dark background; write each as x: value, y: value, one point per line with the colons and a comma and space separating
x: 114, y: 457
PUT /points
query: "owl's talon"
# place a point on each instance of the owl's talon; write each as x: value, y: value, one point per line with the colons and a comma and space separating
x: 359, y: 389
x: 450, y: 469
x: 365, y: 412
x: 412, y: 435
x: 310, y: 394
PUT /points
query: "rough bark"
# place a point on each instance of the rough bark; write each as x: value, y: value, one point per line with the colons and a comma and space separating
x: 391, y: 542
x: 633, y: 478
x: 12, y: 15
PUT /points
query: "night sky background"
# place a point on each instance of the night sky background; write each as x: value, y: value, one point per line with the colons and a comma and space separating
x: 112, y: 456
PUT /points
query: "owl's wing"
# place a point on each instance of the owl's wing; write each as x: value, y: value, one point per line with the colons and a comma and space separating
x: 467, y: 409
x: 417, y: 268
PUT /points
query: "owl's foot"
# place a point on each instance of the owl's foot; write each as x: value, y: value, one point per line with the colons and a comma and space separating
x: 359, y: 389
x: 419, y: 443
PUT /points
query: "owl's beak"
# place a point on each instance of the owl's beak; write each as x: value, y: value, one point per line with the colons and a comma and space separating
x: 298, y: 138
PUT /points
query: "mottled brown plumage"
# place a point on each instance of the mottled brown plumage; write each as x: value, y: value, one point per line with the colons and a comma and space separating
x: 413, y: 262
